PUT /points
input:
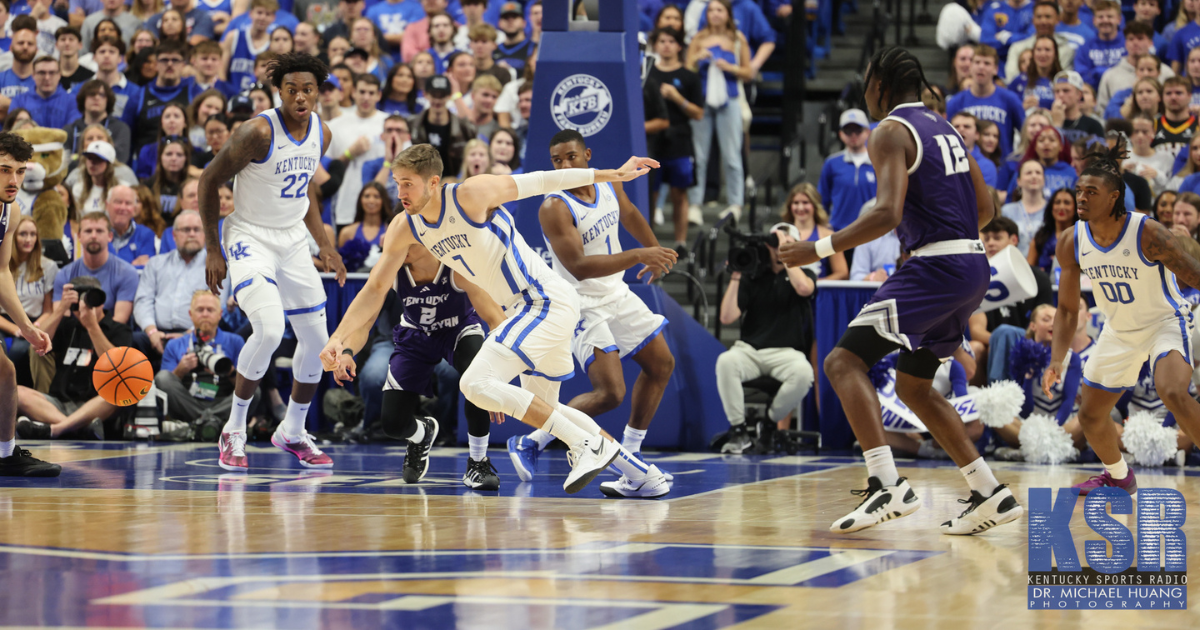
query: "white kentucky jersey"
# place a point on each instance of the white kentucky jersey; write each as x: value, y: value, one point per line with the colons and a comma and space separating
x: 598, y: 224
x: 273, y: 192
x: 492, y: 254
x: 1132, y: 292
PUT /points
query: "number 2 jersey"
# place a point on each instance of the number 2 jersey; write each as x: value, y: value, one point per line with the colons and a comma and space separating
x: 432, y: 307
x: 273, y: 192
x: 1132, y: 292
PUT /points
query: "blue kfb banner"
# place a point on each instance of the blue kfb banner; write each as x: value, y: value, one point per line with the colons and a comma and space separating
x: 1110, y: 581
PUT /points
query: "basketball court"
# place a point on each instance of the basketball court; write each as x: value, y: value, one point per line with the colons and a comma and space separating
x: 138, y: 535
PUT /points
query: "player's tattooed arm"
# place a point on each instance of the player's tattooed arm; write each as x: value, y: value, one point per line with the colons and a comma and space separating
x: 1179, y: 255
x: 1066, y: 317
x: 251, y: 141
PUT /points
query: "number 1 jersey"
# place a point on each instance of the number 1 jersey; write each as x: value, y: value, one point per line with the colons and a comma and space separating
x: 598, y: 225
x: 940, y: 204
x: 273, y: 192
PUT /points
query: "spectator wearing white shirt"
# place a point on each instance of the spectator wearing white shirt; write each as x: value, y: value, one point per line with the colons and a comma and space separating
x: 355, y: 138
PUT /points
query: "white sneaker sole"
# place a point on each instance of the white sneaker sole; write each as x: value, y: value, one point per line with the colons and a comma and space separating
x: 990, y: 523
x: 232, y: 468
x: 571, y: 487
x: 661, y: 489
x: 866, y: 520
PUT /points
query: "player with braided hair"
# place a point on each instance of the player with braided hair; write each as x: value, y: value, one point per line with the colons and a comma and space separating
x: 1132, y: 262
x: 931, y: 191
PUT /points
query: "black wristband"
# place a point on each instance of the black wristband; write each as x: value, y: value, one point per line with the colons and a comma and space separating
x: 348, y: 351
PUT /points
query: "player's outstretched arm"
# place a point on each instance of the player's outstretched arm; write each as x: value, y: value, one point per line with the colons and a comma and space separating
x: 1066, y: 318
x: 482, y: 192
x: 365, y: 307
x: 1161, y: 245
x: 251, y: 141
x: 891, y: 148
x: 483, y: 303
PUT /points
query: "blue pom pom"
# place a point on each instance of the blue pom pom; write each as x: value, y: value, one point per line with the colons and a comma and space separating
x: 878, y: 372
x: 354, y: 253
x: 1027, y: 360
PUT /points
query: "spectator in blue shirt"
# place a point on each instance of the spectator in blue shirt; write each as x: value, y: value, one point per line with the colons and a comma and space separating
x: 194, y: 392
x: 875, y: 261
x: 749, y: 18
x: 1072, y: 25
x: 19, y: 78
x: 848, y: 179
x: 131, y: 242
x: 1107, y: 49
x: 985, y: 101
x: 1006, y: 23
x: 392, y: 17
x: 49, y: 104
x: 199, y: 24
x: 118, y: 278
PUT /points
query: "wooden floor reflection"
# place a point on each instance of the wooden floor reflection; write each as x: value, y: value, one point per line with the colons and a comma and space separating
x: 136, y: 536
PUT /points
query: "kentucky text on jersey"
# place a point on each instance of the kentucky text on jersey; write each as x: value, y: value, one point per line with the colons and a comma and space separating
x: 605, y: 222
x: 298, y: 163
x: 449, y: 244
x: 987, y: 112
x: 1101, y: 272
x: 428, y: 300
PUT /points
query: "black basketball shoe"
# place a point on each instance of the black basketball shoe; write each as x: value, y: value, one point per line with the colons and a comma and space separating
x: 481, y: 475
x: 416, y: 462
x: 22, y: 464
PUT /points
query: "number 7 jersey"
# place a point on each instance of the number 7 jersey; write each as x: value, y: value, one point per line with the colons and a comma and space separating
x: 273, y: 192
x: 1132, y: 292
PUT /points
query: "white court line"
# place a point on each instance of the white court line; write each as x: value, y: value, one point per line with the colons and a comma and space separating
x: 834, y: 562
x: 669, y: 616
x: 134, y: 557
x: 831, y: 468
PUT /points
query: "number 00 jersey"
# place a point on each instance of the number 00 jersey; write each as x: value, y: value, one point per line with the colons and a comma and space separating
x: 598, y: 224
x: 273, y: 192
x: 1132, y: 292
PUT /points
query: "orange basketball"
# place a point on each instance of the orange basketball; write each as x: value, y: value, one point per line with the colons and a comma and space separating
x: 123, y: 376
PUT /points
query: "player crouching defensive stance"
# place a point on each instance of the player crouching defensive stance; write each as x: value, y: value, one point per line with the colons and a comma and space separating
x: 465, y: 227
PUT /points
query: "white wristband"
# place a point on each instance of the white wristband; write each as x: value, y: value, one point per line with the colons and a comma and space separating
x: 825, y: 247
x: 545, y: 182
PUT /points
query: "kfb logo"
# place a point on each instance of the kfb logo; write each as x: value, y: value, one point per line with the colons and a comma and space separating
x: 1110, y: 581
x: 583, y: 103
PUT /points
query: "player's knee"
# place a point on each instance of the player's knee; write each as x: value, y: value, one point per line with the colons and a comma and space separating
x: 268, y: 327
x: 1174, y: 395
x: 914, y: 394
x: 611, y: 396
x: 8, y: 373
x: 839, y: 363
x: 661, y: 368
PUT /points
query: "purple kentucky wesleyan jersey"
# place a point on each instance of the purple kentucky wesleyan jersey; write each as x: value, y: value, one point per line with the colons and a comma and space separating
x: 432, y: 307
x: 940, y: 205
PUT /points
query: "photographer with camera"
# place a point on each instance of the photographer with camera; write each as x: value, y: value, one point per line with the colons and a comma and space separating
x: 118, y: 279
x: 776, y: 307
x: 197, y: 370
x: 81, y: 330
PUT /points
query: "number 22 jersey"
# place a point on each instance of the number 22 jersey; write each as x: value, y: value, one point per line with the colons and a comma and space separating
x: 273, y: 192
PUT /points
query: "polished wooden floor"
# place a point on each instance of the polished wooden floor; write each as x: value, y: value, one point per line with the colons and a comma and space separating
x: 134, y: 535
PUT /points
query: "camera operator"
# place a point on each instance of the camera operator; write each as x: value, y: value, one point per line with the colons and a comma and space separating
x: 197, y: 369
x: 82, y: 331
x: 775, y: 304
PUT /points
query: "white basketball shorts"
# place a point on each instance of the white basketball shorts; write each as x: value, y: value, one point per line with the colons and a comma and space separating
x: 258, y: 256
x: 623, y: 324
x: 1117, y: 358
x: 539, y: 327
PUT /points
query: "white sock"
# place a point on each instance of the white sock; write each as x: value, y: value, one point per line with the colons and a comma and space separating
x: 542, y: 438
x: 562, y: 428
x: 881, y: 465
x: 979, y: 476
x: 630, y: 465
x: 237, y: 415
x: 478, y: 447
x: 293, y: 420
x: 581, y: 420
x: 416, y: 438
x: 633, y: 439
x: 1119, y: 470
x: 7, y: 448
